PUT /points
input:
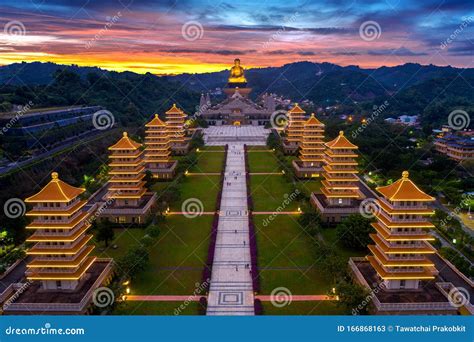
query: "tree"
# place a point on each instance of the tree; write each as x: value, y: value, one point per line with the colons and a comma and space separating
x: 105, y: 232
x: 353, y: 232
x: 355, y: 298
x: 134, y: 261
x: 310, y: 221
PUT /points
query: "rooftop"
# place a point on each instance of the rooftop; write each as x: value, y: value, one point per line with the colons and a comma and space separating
x: 56, y: 191
x: 404, y: 190
x: 155, y: 122
x: 125, y: 143
x: 341, y: 142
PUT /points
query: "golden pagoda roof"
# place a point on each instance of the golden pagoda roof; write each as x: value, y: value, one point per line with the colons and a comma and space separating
x: 296, y: 109
x: 341, y: 142
x: 56, y: 191
x: 313, y: 121
x: 174, y: 110
x: 125, y: 143
x: 155, y: 122
x: 404, y: 190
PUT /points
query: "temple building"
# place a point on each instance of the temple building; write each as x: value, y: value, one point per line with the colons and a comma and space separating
x: 403, y: 272
x: 341, y: 188
x: 455, y: 147
x: 402, y: 235
x: 295, y: 129
x: 157, y: 151
x: 312, y: 157
x: 175, y: 119
x: 237, y: 109
x: 127, y: 195
x: 61, y: 269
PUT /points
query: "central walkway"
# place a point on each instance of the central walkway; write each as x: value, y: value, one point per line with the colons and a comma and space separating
x: 231, y: 291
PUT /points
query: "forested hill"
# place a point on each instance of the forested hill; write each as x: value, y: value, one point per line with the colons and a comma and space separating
x: 131, y: 97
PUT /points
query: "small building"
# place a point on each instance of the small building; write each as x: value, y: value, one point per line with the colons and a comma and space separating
x: 455, y: 147
x: 408, y: 120
x: 127, y: 200
x: 175, y: 118
x: 31, y: 128
x: 157, y: 151
x: 62, y: 273
x: 312, y: 157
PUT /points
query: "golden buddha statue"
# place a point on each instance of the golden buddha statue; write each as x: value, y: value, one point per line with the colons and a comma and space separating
x: 237, y: 73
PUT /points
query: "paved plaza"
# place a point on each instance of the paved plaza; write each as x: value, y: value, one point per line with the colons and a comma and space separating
x: 231, y: 291
x: 222, y: 135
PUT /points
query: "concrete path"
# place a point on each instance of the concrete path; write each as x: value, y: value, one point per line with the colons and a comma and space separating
x: 231, y: 290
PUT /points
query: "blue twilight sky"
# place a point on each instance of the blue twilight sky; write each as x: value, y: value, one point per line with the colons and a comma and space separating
x: 197, y: 36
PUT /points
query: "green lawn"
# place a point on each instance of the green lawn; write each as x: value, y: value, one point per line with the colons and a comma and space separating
x: 204, y: 188
x: 303, y: 309
x: 157, y: 308
x: 212, y: 148
x: 270, y: 192
x: 257, y: 148
x: 286, y: 258
x: 177, y: 258
x: 263, y: 162
x: 122, y: 240
x: 331, y: 239
x: 209, y: 162
x: 311, y: 185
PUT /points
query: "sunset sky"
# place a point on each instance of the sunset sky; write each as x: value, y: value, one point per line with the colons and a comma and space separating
x: 167, y: 36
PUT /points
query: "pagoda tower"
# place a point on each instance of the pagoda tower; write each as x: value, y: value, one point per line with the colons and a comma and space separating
x: 61, y: 254
x: 312, y: 149
x: 157, y: 151
x: 340, y: 184
x: 295, y: 129
x: 175, y: 119
x: 402, y: 235
x: 126, y: 192
x: 340, y: 195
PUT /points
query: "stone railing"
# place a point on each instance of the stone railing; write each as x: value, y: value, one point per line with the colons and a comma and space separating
x: 434, y: 306
x: 64, y: 307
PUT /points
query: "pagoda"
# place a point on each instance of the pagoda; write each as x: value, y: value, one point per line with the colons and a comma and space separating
x: 175, y: 118
x: 127, y: 198
x: 341, y: 194
x: 294, y: 131
x: 61, y: 272
x: 61, y: 254
x: 403, y: 272
x: 312, y: 149
x: 157, y: 151
x: 402, y: 235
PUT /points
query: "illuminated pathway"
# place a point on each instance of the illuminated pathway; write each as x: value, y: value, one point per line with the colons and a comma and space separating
x: 231, y: 290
